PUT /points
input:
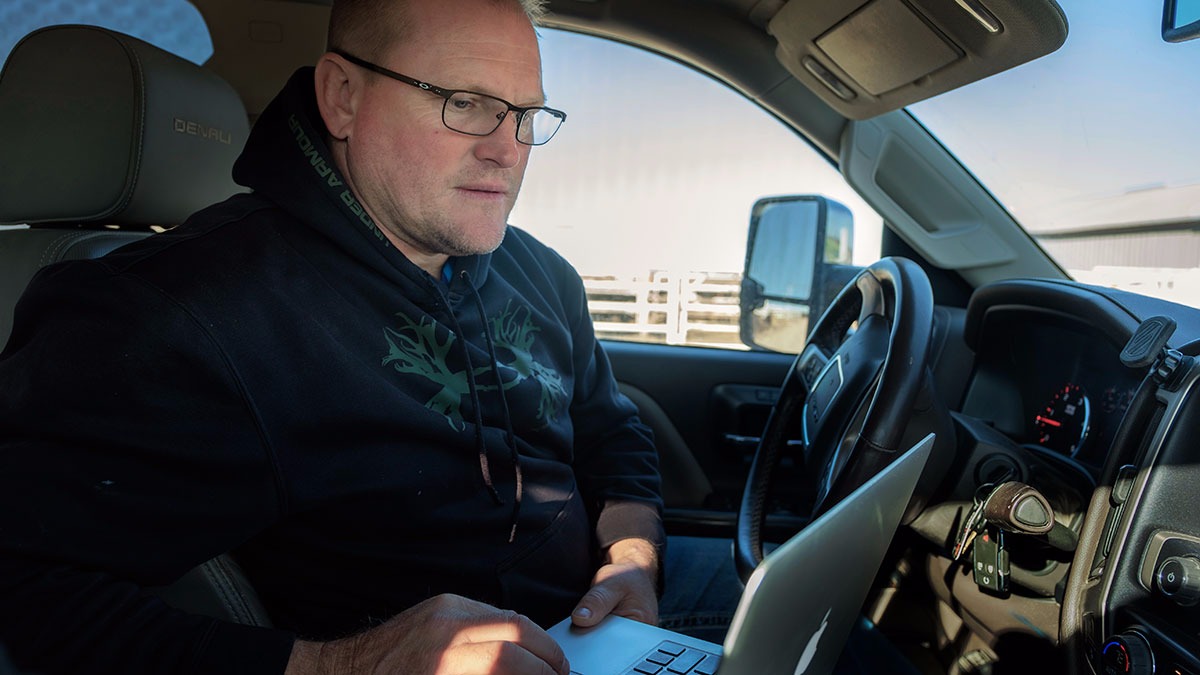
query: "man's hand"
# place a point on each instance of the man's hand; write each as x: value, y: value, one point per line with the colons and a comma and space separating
x: 624, y: 586
x: 445, y: 635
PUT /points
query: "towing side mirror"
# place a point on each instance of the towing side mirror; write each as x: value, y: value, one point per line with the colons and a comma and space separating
x: 798, y: 245
x: 1181, y: 20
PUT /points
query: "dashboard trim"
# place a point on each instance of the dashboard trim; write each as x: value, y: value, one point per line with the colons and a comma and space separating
x: 1173, y: 402
x: 1048, y: 297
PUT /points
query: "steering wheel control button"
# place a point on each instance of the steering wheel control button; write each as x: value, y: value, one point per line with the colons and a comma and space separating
x: 1178, y: 578
x: 826, y: 388
x: 1127, y: 654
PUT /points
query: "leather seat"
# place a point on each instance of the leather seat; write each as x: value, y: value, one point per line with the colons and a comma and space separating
x: 105, y: 139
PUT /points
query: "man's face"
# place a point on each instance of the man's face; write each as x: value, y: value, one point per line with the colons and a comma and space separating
x: 433, y: 190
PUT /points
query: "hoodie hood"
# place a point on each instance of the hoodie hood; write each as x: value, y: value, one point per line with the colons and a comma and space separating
x: 288, y: 161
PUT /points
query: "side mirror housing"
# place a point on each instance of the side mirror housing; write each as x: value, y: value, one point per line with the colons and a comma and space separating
x: 797, y: 244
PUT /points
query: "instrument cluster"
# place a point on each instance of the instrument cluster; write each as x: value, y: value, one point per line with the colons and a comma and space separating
x: 1066, y: 421
x: 1053, y: 383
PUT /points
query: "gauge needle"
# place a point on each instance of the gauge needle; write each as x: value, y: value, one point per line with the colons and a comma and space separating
x: 1047, y: 420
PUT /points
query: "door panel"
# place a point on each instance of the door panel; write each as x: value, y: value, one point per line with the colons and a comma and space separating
x: 707, y: 408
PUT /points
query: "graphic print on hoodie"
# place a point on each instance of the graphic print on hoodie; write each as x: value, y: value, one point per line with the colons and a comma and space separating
x: 414, y: 348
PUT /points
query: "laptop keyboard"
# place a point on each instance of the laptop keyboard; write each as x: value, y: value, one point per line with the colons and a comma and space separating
x: 672, y: 658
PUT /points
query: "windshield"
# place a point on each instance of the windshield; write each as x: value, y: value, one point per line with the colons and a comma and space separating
x: 1094, y: 149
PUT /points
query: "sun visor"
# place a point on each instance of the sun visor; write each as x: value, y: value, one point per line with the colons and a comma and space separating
x: 868, y: 58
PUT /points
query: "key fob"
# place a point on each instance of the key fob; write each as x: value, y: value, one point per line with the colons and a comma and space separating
x: 989, y: 560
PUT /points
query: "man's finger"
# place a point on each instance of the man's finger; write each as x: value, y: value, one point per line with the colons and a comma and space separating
x: 596, y: 604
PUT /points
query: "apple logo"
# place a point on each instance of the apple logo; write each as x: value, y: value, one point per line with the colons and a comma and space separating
x: 810, y: 650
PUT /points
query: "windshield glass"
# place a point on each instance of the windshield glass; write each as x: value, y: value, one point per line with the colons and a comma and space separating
x: 1094, y: 148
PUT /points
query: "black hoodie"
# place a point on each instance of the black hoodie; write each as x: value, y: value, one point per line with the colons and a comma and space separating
x: 276, y: 379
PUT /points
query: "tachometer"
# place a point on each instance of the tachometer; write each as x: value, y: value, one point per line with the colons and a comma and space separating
x: 1063, y: 424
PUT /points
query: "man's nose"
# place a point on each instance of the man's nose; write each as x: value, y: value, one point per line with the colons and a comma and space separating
x: 501, y: 146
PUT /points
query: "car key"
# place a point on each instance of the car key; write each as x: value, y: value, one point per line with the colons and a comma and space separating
x: 971, y: 526
x: 974, y: 522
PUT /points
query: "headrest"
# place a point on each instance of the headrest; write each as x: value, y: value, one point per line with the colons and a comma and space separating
x: 102, y: 128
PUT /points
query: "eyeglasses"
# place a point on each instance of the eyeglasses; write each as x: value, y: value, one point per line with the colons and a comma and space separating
x: 475, y: 114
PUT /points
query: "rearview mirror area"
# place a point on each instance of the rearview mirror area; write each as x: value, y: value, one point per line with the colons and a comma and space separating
x: 1181, y: 20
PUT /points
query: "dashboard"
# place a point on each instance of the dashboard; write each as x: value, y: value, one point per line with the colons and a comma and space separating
x: 1051, y: 381
x: 1049, y: 402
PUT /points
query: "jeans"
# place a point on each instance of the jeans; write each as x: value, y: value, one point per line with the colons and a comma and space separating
x: 701, y: 588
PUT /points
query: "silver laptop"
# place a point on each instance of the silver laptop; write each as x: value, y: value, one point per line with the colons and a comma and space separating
x: 798, y: 607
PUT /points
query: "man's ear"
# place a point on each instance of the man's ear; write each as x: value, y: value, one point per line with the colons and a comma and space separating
x: 337, y: 95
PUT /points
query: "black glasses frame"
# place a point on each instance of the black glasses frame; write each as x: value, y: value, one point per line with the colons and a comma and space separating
x: 446, y: 94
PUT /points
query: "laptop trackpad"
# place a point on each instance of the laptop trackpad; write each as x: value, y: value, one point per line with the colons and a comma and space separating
x: 618, y: 645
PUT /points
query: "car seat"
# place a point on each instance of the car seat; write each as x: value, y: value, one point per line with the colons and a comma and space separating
x: 105, y: 139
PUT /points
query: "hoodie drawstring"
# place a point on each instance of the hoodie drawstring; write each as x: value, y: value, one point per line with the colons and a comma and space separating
x: 480, y: 446
x: 509, y: 437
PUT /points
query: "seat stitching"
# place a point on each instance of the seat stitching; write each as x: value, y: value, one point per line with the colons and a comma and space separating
x: 218, y: 578
x: 54, y: 251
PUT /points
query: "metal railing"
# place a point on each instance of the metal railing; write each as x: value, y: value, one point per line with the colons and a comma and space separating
x: 676, y: 308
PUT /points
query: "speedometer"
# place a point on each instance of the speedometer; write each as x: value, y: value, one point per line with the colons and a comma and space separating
x: 1063, y: 424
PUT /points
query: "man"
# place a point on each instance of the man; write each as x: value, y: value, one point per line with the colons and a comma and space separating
x: 391, y: 405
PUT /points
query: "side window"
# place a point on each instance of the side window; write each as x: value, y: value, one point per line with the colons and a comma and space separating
x: 649, y: 186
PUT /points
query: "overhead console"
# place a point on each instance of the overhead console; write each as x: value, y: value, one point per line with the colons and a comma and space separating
x: 865, y: 58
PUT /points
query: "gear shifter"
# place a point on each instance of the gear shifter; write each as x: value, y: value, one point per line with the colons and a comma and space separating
x: 1021, y: 509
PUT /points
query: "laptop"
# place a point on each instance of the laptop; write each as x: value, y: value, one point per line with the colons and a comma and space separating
x: 798, y: 607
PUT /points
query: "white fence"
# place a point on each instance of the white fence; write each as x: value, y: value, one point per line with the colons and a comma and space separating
x: 677, y: 308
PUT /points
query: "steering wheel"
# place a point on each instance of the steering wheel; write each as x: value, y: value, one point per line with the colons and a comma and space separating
x: 851, y: 391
